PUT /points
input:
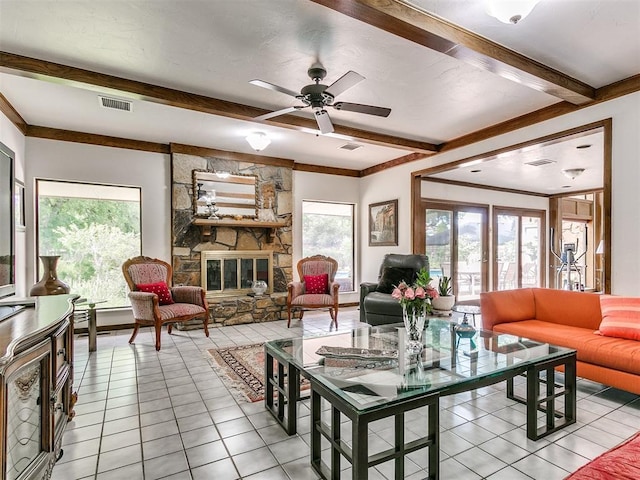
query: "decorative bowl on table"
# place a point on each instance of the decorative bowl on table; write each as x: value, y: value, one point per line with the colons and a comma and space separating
x: 356, y: 357
x: 259, y: 287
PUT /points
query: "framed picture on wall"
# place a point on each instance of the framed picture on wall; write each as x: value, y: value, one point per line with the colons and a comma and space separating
x: 383, y: 223
x: 18, y: 207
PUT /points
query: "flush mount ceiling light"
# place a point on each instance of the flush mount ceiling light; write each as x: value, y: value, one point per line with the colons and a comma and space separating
x: 573, y: 172
x: 258, y: 140
x: 509, y: 11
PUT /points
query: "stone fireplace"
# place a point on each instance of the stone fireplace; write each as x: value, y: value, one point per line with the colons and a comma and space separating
x: 243, y: 243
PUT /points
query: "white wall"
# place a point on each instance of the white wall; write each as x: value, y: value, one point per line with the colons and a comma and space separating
x: 625, y: 112
x: 313, y: 186
x: 15, y: 140
x: 396, y: 183
x: 52, y: 159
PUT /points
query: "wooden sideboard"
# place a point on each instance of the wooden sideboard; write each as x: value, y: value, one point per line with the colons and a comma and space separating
x: 36, y: 380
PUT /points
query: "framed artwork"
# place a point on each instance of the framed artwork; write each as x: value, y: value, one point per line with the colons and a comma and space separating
x: 18, y: 207
x: 383, y: 223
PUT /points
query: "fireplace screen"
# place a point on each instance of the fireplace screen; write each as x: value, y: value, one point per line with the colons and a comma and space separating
x: 228, y: 273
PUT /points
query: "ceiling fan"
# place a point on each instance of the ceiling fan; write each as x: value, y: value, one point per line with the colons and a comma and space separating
x: 319, y: 96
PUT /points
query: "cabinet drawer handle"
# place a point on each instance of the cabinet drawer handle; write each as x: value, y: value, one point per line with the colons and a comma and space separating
x: 62, y: 351
x: 59, y: 407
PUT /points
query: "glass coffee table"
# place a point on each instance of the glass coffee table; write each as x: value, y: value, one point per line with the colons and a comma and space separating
x: 365, y: 376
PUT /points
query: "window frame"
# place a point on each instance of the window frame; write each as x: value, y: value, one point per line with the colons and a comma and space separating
x: 354, y: 245
x: 37, y: 183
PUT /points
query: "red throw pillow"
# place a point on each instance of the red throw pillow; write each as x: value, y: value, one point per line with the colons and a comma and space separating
x: 160, y: 288
x: 317, y: 284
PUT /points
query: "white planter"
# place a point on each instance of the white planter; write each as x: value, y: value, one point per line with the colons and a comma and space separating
x: 444, y: 303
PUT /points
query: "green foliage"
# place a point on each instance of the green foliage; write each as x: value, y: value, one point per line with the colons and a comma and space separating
x: 330, y: 235
x: 444, y: 286
x: 423, y: 278
x: 93, y: 238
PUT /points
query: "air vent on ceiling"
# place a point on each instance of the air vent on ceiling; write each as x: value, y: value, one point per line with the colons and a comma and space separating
x: 350, y: 146
x: 539, y: 163
x: 115, y: 103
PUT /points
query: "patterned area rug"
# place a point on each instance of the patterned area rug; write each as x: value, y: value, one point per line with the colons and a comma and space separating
x: 242, y: 368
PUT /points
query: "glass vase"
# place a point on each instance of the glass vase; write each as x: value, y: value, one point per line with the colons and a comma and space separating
x: 414, y: 323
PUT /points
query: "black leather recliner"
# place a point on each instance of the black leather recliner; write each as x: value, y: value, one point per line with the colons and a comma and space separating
x: 376, y: 305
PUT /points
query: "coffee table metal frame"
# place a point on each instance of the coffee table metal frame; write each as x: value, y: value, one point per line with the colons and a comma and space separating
x: 283, y: 391
x: 358, y: 455
x: 282, y: 388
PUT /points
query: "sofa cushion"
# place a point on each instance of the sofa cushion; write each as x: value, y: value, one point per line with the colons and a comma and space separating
x: 313, y: 299
x: 383, y: 304
x: 577, y: 309
x: 506, y: 306
x: 316, y: 284
x: 159, y: 288
x: 615, y: 353
x: 620, y: 317
x: 177, y: 310
x: 392, y: 276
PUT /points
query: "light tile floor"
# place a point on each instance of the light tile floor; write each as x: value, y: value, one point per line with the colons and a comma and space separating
x: 143, y: 414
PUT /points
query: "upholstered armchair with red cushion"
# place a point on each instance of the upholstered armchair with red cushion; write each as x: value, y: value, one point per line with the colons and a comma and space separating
x: 316, y: 289
x: 154, y: 302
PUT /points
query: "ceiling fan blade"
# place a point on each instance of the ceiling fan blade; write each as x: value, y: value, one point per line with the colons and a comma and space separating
x: 357, y: 107
x: 324, y: 122
x: 344, y: 83
x: 275, y: 88
x: 277, y: 113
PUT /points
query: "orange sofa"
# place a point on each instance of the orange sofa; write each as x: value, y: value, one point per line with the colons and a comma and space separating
x: 569, y: 319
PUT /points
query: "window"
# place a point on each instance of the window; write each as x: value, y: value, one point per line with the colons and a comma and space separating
x: 328, y: 229
x: 94, y: 229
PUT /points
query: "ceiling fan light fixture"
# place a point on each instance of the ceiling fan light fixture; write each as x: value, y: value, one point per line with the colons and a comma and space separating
x: 572, y: 173
x: 510, y: 11
x: 258, y: 140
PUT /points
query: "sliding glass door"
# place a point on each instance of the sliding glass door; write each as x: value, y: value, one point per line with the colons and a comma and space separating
x: 456, y: 244
x: 518, y: 244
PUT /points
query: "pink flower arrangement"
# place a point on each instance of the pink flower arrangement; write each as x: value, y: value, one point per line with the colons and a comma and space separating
x: 417, y: 297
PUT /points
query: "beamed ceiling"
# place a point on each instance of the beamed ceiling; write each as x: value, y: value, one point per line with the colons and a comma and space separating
x: 451, y: 74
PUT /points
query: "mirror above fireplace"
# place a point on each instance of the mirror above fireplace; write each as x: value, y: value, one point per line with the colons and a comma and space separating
x: 221, y: 194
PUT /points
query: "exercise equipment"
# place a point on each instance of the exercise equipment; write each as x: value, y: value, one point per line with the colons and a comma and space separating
x: 568, y: 263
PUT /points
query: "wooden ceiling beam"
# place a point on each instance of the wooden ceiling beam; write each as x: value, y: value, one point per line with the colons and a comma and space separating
x: 48, y: 133
x: 58, y: 73
x: 421, y: 27
x: 12, y: 114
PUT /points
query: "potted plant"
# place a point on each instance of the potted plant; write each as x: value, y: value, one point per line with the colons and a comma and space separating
x: 445, y: 300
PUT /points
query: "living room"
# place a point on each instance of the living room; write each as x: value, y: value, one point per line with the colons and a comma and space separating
x: 63, y: 151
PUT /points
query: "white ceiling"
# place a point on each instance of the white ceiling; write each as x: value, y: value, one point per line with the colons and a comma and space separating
x: 523, y: 168
x: 213, y: 48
